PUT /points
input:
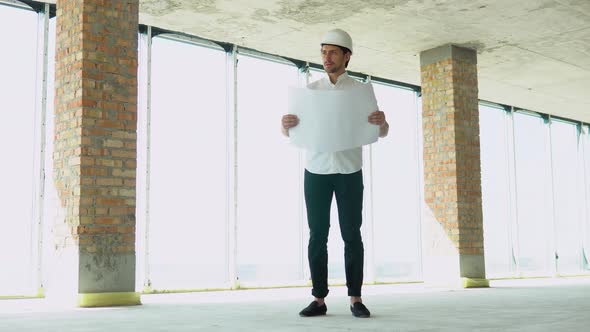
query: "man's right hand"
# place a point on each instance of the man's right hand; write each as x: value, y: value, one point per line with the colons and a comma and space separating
x: 290, y: 121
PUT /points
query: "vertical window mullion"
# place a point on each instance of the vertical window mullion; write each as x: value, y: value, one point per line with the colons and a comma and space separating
x: 40, y: 134
x: 550, y: 178
x: 581, y: 192
x: 420, y: 178
x: 143, y: 156
x: 512, y: 198
x: 585, y: 139
x: 232, y: 165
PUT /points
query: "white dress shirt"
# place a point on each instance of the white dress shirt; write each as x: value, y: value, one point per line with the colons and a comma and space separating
x: 340, y: 162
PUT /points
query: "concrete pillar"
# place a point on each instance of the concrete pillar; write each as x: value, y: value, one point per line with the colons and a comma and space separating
x: 452, y: 231
x: 95, y: 152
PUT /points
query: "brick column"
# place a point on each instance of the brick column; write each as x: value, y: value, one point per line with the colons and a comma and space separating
x: 452, y: 236
x: 95, y: 151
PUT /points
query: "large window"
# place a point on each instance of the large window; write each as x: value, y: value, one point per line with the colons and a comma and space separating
x: 18, y: 137
x: 269, y: 223
x: 396, y: 189
x: 187, y: 167
x: 496, y: 191
x: 533, y: 195
x: 567, y: 223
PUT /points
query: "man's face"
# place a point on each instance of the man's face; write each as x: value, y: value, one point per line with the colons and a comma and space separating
x: 334, y: 59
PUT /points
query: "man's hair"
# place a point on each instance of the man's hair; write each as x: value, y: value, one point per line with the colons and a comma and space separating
x: 344, y: 51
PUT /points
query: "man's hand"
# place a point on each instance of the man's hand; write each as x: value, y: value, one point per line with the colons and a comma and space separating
x: 289, y: 121
x: 377, y: 118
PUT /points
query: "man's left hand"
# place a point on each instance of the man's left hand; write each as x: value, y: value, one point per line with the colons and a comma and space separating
x: 377, y: 118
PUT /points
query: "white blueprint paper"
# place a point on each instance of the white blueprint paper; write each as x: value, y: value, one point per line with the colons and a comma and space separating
x: 333, y: 120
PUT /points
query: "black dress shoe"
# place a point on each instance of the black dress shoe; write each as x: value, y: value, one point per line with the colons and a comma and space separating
x: 358, y: 309
x: 314, y: 309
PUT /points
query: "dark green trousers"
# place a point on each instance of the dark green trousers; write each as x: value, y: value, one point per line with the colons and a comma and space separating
x: 319, y: 190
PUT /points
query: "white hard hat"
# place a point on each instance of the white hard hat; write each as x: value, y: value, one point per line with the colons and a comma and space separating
x: 338, y: 37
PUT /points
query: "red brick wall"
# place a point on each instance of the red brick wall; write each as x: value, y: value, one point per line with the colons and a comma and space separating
x: 452, y: 170
x: 95, y: 124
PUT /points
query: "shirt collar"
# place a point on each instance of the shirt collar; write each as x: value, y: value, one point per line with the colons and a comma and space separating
x: 343, y: 77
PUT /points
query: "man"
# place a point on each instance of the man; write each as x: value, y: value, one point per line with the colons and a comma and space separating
x: 337, y: 173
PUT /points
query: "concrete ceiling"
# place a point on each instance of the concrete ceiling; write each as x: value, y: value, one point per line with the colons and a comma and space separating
x: 532, y: 54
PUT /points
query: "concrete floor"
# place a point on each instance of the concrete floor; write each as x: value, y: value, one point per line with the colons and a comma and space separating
x: 515, y: 305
